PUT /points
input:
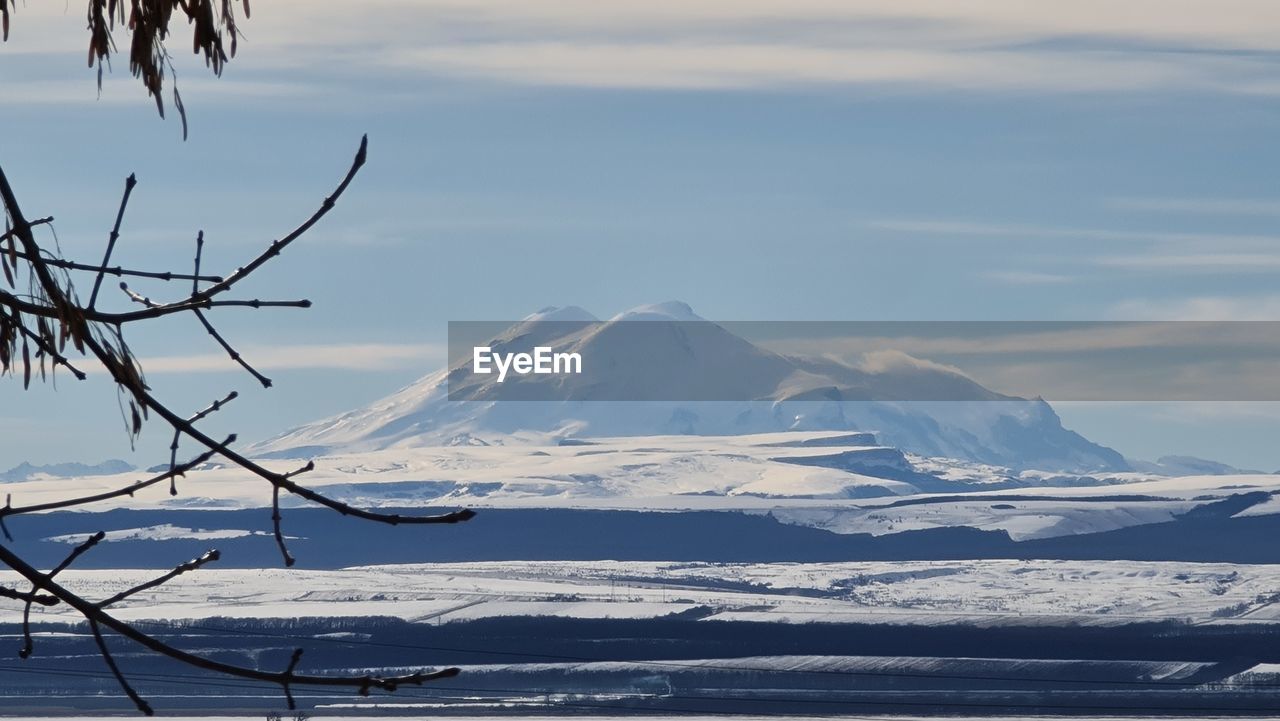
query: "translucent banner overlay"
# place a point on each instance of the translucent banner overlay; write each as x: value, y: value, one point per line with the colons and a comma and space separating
x: 685, y: 360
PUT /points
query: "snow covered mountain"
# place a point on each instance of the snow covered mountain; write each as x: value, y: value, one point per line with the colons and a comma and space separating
x: 791, y: 392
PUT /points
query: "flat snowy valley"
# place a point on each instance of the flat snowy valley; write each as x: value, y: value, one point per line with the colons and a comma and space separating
x: 803, y: 572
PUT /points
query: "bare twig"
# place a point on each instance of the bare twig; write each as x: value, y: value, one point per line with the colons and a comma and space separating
x: 177, y: 436
x: 231, y: 352
x: 77, y: 552
x: 38, y: 598
x: 9, y: 234
x: 8, y: 506
x: 138, y: 701
x: 276, y: 246
x: 192, y: 565
x: 116, y: 270
x: 112, y: 238
x: 288, y: 677
x: 195, y: 282
x: 289, y: 560
x: 28, y: 645
x: 137, y: 298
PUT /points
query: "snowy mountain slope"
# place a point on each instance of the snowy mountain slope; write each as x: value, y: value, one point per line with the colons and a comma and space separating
x: 794, y: 393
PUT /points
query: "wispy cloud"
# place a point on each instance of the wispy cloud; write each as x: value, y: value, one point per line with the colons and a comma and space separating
x: 1157, y: 251
x: 691, y: 64
x: 1196, y: 262
x: 1051, y: 339
x: 1201, y: 308
x: 1103, y: 360
x: 1203, y: 206
x: 72, y: 91
x: 1028, y: 231
x: 327, y: 356
x: 1028, y: 277
x: 989, y: 45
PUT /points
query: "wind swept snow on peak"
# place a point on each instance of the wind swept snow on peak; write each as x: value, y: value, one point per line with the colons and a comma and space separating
x: 672, y: 310
x: 568, y: 313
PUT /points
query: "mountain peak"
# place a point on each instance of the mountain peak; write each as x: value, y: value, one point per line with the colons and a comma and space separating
x: 779, y: 393
x: 571, y: 313
x: 672, y: 310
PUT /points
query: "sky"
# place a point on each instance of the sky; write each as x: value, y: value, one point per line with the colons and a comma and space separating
x: 757, y: 159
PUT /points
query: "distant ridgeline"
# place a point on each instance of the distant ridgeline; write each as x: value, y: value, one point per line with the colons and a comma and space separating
x: 25, y: 471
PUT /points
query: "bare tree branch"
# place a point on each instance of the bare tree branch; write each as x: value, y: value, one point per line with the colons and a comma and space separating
x: 118, y: 271
x: 276, y: 246
x: 49, y: 317
x: 40, y: 598
x: 197, y: 305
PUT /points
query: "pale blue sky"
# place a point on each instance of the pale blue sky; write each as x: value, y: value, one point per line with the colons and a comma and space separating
x: 759, y: 160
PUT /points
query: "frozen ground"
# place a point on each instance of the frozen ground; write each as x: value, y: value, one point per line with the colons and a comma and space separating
x: 827, y: 480
x: 933, y: 593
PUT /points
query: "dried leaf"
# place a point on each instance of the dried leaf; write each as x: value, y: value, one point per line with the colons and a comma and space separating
x: 182, y: 110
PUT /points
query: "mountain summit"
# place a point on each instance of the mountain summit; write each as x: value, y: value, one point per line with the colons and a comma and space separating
x: 787, y: 392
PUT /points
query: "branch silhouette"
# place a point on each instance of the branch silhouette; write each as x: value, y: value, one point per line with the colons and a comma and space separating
x: 48, y: 322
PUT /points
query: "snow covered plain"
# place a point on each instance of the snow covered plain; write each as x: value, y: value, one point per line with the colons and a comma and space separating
x: 840, y: 482
x: 933, y: 593
x: 834, y: 481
